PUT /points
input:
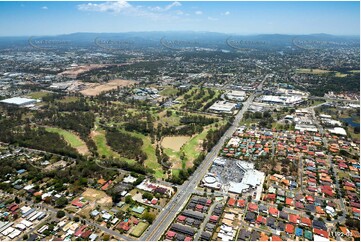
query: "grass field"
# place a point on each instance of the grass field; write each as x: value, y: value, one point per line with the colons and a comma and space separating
x: 101, y: 143
x: 312, y: 71
x: 72, y: 139
x: 38, y: 95
x: 149, y: 149
x: 321, y: 72
x: 138, y: 230
x: 69, y: 99
x: 168, y: 91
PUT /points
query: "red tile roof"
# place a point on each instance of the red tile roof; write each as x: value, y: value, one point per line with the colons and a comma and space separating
x: 321, y: 232
x: 307, y: 221
x: 276, y: 238
x: 241, y: 203
x: 273, y: 211
x: 170, y: 234
x: 252, y: 206
x: 293, y: 218
x: 231, y: 202
x: 290, y: 228
x: 181, y: 218
x: 289, y: 201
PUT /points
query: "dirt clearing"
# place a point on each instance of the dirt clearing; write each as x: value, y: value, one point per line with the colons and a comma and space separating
x: 174, y: 142
x: 96, y: 89
x: 97, y: 197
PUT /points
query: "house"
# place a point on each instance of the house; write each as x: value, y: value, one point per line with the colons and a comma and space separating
x: 85, y: 235
x: 193, y: 214
x: 189, y: 221
x: 283, y: 215
x: 276, y: 238
x: 231, y: 202
x: 80, y: 230
x: 321, y: 232
x: 181, y: 219
x: 263, y: 237
x: 77, y: 203
x: 180, y: 237
x: 319, y: 224
x: 255, y: 235
x: 261, y: 220
x: 253, y: 207
x: 273, y: 211
x: 271, y: 222
x: 241, y: 203
x: 244, y: 235
x: 281, y: 226
x: 262, y: 209
x: 293, y: 218
x: 214, y: 218
x: 183, y: 229
x: 290, y: 228
x: 306, y: 221
x: 170, y: 235
x: 206, y: 236
x: 289, y: 201
x: 250, y: 217
x: 210, y: 227
x: 299, y: 232
x: 308, y: 235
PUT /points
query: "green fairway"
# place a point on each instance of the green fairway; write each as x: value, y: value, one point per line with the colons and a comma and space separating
x: 101, y: 143
x: 151, y: 161
x: 38, y: 95
x: 168, y: 91
x: 71, y: 138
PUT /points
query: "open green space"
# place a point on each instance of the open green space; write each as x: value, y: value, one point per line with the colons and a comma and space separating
x: 102, y: 146
x: 151, y: 161
x: 38, y: 95
x: 70, y: 137
x: 138, y: 230
x: 168, y: 91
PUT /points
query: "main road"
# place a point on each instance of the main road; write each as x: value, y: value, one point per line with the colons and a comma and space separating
x: 166, y: 216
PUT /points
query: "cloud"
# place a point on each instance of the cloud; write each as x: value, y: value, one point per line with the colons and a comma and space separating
x: 199, y: 12
x: 226, y: 13
x: 44, y: 8
x: 212, y: 19
x: 166, y: 8
x: 113, y: 7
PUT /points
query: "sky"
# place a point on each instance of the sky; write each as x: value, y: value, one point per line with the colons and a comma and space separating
x: 53, y: 18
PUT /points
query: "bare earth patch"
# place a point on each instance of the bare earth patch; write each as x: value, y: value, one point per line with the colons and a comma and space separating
x: 94, y: 89
x: 97, y: 197
x: 174, y: 142
x: 83, y: 150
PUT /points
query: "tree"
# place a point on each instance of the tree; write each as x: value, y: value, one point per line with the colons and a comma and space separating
x: 129, y: 199
x: 147, y: 196
x: 61, y: 202
x: 25, y: 237
x: 17, y: 200
x: 60, y: 214
x: 149, y: 217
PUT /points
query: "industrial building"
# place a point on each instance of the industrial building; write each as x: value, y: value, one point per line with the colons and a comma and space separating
x: 236, y: 95
x: 19, y: 101
x: 223, y: 107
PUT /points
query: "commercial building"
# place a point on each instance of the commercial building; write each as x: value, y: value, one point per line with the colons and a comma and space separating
x: 223, y: 107
x: 19, y: 101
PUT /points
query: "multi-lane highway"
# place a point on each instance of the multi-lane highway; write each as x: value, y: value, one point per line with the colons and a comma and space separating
x: 166, y: 216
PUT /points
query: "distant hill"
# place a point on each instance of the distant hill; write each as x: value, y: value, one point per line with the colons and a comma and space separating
x: 152, y: 39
